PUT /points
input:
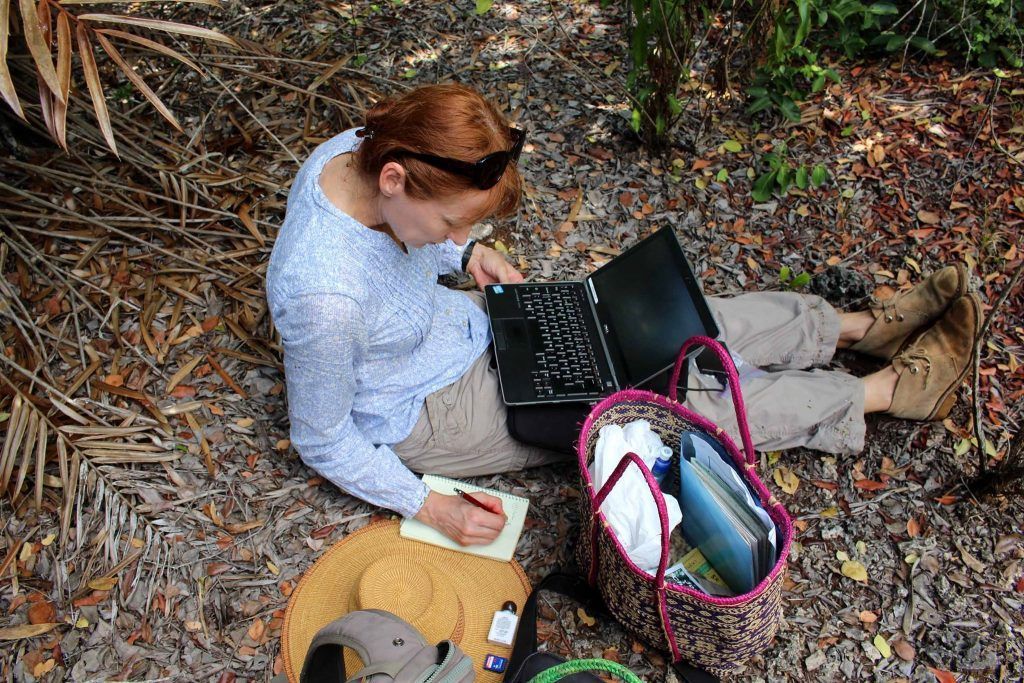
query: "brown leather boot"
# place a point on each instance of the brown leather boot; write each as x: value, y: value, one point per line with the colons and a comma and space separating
x: 897, y: 317
x: 933, y: 365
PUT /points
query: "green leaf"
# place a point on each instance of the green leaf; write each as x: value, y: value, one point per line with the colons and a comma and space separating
x: 635, y: 121
x: 722, y: 176
x: 675, y: 108
x: 923, y: 44
x: 732, y: 146
x: 760, y: 104
x: 4, y: 417
x: 762, y: 190
x: 783, y: 177
x: 882, y: 8
x: 785, y: 274
x: 483, y: 5
x: 789, y: 109
x: 819, y: 175
x: 801, y: 177
x: 801, y: 280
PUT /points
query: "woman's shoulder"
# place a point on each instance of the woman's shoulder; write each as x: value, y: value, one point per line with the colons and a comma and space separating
x: 315, y: 258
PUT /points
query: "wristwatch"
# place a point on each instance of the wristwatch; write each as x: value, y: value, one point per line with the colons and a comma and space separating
x: 467, y: 253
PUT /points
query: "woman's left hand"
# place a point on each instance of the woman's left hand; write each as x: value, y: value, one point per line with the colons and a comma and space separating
x: 489, y: 267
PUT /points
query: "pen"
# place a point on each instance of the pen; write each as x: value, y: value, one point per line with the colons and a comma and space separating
x: 470, y: 499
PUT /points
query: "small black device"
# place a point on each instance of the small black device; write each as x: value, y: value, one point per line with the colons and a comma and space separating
x: 710, y: 364
x: 577, y: 341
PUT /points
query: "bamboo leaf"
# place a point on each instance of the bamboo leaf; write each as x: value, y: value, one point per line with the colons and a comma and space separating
x: 37, y: 44
x: 46, y: 94
x: 40, y: 464
x: 46, y: 105
x: 26, y: 630
x: 160, y: 25
x: 136, y: 79
x: 27, y: 450
x: 60, y: 106
x: 151, y: 44
x: 92, y: 79
x: 15, y: 431
x: 69, y: 491
x: 211, y: 3
x: 6, y: 83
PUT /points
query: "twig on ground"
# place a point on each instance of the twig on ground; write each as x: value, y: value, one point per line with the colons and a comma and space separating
x: 979, y: 432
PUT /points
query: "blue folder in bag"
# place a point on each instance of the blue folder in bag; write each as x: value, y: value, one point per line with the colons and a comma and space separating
x: 707, y: 526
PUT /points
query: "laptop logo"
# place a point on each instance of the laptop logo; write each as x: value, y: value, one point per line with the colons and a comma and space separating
x: 497, y: 289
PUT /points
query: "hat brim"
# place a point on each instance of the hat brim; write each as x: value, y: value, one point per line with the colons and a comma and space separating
x: 323, y: 594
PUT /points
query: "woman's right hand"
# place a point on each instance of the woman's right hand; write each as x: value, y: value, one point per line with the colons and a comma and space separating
x: 461, y: 521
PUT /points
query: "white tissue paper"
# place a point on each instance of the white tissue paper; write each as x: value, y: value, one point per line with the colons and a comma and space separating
x: 630, y: 507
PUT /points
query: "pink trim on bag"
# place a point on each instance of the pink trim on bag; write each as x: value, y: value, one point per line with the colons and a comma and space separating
x: 776, y: 511
x: 733, y: 383
x: 659, y: 500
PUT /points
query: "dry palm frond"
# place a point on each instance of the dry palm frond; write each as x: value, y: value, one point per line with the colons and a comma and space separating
x: 51, y: 52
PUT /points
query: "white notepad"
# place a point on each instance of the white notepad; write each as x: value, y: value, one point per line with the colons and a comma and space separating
x: 502, y: 548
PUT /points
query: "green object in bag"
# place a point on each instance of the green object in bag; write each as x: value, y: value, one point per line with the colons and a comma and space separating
x: 560, y: 671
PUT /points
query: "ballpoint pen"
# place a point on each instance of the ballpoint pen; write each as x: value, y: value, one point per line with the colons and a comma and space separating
x: 470, y: 499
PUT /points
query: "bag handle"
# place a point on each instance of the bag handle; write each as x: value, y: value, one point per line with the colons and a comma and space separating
x: 685, y: 672
x: 733, y: 382
x: 560, y: 671
x: 659, y: 500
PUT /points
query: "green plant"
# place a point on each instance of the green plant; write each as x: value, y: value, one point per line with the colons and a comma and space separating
x: 790, y: 282
x: 781, y: 175
x: 660, y: 48
x: 802, y: 28
x: 51, y: 34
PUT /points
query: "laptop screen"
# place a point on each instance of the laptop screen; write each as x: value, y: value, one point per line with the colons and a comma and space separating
x: 650, y: 303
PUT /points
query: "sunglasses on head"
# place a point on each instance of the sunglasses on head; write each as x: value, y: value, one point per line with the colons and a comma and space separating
x: 484, y: 173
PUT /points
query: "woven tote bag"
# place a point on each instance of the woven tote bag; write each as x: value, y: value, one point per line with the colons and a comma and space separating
x: 713, y: 633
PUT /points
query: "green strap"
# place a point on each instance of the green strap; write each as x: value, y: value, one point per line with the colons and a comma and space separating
x: 560, y: 671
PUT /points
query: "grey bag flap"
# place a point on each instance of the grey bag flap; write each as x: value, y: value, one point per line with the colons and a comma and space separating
x: 390, y: 649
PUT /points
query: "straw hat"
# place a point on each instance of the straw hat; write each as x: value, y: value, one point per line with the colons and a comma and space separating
x: 443, y: 593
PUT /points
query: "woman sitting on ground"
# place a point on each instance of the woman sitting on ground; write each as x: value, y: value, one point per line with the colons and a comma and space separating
x: 389, y: 372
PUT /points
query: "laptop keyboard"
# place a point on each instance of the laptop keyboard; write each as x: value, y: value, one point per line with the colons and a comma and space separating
x: 565, y: 362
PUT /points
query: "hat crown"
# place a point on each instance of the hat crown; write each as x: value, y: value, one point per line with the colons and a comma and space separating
x: 417, y: 592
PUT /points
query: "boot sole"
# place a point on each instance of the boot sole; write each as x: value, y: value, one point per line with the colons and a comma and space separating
x: 948, y: 399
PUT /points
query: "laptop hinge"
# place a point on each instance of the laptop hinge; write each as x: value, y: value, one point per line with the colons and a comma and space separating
x: 592, y: 300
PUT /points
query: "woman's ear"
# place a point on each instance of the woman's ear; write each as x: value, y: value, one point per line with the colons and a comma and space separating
x: 392, y: 179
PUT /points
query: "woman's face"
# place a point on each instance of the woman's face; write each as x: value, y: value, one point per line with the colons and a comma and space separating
x: 417, y: 222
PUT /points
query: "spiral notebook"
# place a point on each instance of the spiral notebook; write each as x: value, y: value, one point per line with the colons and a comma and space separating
x: 502, y: 548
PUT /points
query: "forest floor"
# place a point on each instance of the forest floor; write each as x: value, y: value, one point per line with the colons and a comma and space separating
x: 141, y: 297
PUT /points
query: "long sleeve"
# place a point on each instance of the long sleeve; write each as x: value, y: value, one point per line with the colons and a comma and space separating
x: 324, y: 335
x: 449, y: 256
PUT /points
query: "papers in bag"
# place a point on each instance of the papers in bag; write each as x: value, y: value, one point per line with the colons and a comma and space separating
x: 721, y: 518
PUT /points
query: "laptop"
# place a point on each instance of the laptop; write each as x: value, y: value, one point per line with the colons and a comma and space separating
x: 578, y: 341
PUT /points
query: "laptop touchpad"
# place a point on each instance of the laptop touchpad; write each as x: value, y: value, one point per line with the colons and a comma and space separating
x: 510, y: 334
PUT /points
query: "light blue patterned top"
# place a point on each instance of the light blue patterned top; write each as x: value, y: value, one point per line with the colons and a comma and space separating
x: 367, y: 335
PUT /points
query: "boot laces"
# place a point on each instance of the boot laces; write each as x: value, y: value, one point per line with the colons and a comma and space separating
x: 916, y: 359
x: 890, y: 307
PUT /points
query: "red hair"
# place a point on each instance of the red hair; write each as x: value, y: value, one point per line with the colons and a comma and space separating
x: 448, y: 120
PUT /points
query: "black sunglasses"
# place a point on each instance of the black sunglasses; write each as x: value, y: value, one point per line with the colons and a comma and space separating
x: 484, y: 173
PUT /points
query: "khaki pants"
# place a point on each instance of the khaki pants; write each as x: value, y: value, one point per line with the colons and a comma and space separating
x: 462, y: 429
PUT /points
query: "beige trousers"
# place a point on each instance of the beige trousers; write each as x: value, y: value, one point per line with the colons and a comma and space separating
x: 462, y: 429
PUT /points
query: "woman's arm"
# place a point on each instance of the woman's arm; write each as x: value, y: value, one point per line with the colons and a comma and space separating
x: 323, y: 336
